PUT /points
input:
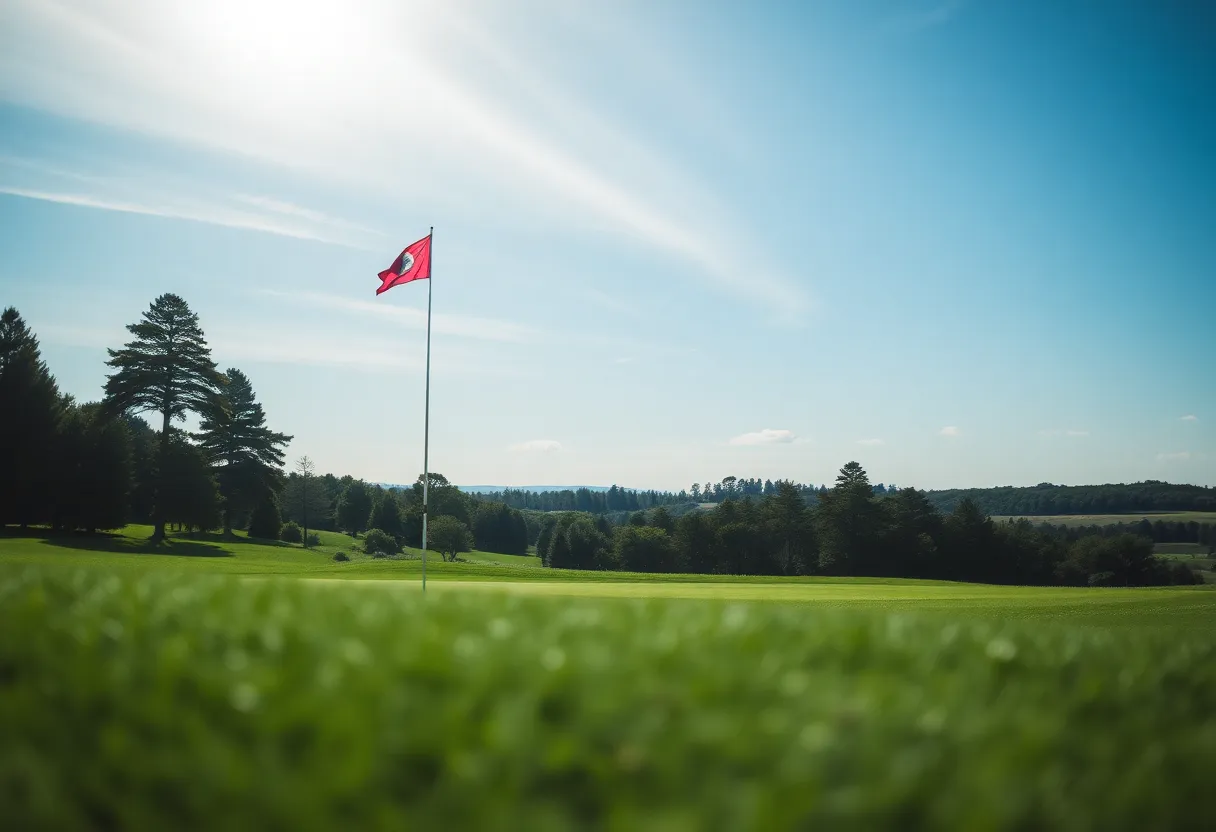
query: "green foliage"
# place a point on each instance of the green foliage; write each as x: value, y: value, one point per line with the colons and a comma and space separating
x: 386, y: 514
x: 93, y: 468
x: 248, y: 455
x: 291, y: 533
x: 449, y: 537
x: 166, y: 368
x: 847, y: 520
x: 576, y: 542
x: 354, y: 507
x: 378, y: 540
x: 342, y: 557
x: 499, y: 528
x: 443, y: 499
x: 265, y: 521
x: 280, y: 705
x: 644, y: 549
x: 30, y: 410
x: 307, y: 501
x: 189, y: 495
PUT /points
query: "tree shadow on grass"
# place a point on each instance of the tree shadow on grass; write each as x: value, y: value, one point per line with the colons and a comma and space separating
x: 174, y: 546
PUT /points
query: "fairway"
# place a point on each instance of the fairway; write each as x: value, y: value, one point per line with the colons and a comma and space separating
x: 1180, y: 607
x: 163, y: 698
x: 265, y: 685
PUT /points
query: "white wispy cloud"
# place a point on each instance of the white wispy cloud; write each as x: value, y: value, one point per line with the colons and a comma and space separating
x: 536, y: 446
x: 1177, y: 456
x: 870, y: 442
x: 928, y: 16
x: 465, y: 326
x: 292, y: 210
x: 767, y: 436
x: 1190, y: 417
x: 326, y: 89
x: 198, y: 212
x: 950, y: 430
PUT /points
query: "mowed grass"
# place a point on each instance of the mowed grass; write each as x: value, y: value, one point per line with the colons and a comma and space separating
x: 1075, y: 520
x: 210, y: 690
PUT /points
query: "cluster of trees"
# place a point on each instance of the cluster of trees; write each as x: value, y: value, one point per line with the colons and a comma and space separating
x: 1047, y: 499
x: 850, y: 530
x: 98, y: 466
x: 354, y: 506
x: 1042, y: 499
x: 1157, y: 531
x: 614, y: 499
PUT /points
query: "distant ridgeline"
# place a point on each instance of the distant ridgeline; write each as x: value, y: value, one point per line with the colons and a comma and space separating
x: 1041, y: 499
x: 1048, y: 499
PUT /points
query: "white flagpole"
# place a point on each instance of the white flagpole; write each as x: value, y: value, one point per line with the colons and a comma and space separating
x: 426, y: 419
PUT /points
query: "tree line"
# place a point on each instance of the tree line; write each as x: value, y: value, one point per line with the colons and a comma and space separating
x: 1037, y: 500
x: 851, y: 530
x: 99, y: 465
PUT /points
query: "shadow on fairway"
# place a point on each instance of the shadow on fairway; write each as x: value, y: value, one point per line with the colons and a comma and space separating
x: 175, y: 546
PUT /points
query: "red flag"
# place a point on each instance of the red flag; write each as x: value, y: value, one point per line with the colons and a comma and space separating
x: 412, y: 264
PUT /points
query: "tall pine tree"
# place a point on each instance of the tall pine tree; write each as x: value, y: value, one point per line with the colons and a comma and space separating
x: 166, y: 369
x: 247, y: 455
x: 30, y: 410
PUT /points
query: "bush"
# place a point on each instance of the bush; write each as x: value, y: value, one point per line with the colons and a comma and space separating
x: 341, y: 557
x: 291, y: 532
x: 314, y: 540
x: 265, y: 522
x: 380, y: 541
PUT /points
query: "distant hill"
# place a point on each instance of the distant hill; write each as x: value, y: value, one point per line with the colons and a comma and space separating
x: 1112, y: 498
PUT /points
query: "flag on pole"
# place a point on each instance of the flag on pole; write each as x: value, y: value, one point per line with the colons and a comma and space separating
x: 414, y: 263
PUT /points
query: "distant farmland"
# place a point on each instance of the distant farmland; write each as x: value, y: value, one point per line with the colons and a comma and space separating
x: 1075, y: 520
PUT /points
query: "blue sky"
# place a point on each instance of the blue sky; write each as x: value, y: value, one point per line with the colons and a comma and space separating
x: 965, y: 243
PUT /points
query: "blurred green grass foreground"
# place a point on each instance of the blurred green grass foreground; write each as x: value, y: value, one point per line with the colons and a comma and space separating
x: 162, y: 699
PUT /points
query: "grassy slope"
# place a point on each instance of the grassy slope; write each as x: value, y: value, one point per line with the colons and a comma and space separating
x: 1111, y: 519
x: 158, y: 691
x: 159, y: 700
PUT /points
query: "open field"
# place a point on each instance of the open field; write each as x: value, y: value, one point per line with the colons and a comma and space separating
x: 1074, y: 520
x: 209, y: 688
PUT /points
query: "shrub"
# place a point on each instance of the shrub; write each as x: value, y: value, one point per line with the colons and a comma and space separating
x: 342, y: 557
x: 265, y: 522
x: 314, y: 540
x: 291, y: 532
x: 380, y: 541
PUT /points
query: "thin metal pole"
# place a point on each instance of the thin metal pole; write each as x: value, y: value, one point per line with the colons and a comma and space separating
x: 426, y: 419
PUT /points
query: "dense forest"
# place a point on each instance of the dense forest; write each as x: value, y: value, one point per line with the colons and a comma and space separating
x: 1042, y: 499
x: 851, y: 530
x: 97, y: 466
x: 1046, y: 499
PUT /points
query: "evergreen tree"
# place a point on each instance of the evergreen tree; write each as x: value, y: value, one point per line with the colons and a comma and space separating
x: 265, y: 521
x: 386, y: 514
x: 189, y: 495
x: 354, y: 508
x: 30, y: 410
x: 247, y: 455
x: 848, y: 521
x: 93, y: 470
x: 167, y: 369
